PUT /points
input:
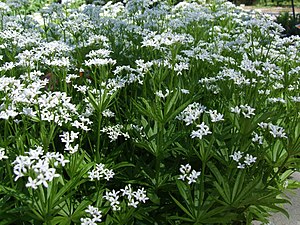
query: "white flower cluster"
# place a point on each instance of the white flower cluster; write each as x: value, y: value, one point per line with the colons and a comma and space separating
x: 161, y: 94
x: 202, y: 131
x: 215, y: 116
x: 68, y: 138
x: 257, y: 138
x: 248, y: 159
x: 246, y: 110
x: 275, y: 131
x: 2, y: 154
x: 96, y: 215
x: 187, y: 174
x: 99, y: 57
x: 157, y: 41
x: 28, y: 93
x: 191, y: 113
x: 114, y: 132
x: 39, y: 167
x: 57, y: 107
x: 108, y: 113
x: 133, y: 198
x: 101, y: 171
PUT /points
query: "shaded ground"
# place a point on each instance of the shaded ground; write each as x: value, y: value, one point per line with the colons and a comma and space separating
x: 271, y: 10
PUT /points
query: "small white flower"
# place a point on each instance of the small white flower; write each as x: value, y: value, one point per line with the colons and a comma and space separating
x: 237, y: 156
x: 108, y: 113
x: 29, y: 112
x: 235, y: 109
x: 215, y: 116
x: 100, y: 171
x: 140, y: 195
x: 263, y: 125
x: 185, y: 169
x: 113, y: 197
x: 257, y: 138
x: 247, y: 111
x: 241, y: 166
x: 202, y: 131
x: 133, y: 203
x: 184, y: 91
x: 32, y: 183
x: 87, y: 221
x: 249, y: 159
x: 161, y: 95
x: 193, y: 177
x: 2, y: 154
x: 277, y: 131
x: 191, y: 113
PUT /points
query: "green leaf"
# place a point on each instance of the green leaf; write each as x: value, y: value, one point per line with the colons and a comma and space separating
x: 224, y: 192
x: 181, y: 218
x: 215, y: 172
x: 238, y: 185
x: 172, y: 102
x: 172, y: 114
x: 122, y: 164
x: 79, y: 212
x: 182, y: 207
x: 182, y: 189
x: 71, y: 184
x: 61, y: 220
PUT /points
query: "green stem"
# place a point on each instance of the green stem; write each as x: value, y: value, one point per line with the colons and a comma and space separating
x: 98, y: 156
x: 159, y: 150
x: 202, y: 190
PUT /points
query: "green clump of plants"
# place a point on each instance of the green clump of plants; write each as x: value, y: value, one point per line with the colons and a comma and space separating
x: 145, y: 112
x: 289, y: 23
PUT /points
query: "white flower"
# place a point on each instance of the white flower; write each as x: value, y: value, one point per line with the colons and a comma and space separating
x: 193, y: 177
x: 140, y: 195
x: 237, y: 156
x: 113, y: 197
x: 215, y: 116
x: 235, y: 109
x: 185, y: 169
x: 100, y: 171
x: 247, y: 111
x: 187, y: 174
x: 202, y: 131
x: 127, y: 191
x: 191, y: 113
x: 87, y: 221
x: 133, y: 203
x: 108, y: 113
x: 41, y: 168
x: 241, y: 166
x: 257, y: 138
x: 114, y: 132
x: 32, y: 183
x: 2, y: 154
x: 161, y: 95
x: 29, y: 112
x: 249, y: 159
x: 277, y: 131
x: 263, y: 125
x: 184, y: 91
x: 94, y: 212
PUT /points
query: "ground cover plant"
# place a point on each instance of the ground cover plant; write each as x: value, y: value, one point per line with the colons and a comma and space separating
x: 145, y: 113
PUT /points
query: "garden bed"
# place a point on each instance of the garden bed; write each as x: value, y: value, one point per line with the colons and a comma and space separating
x: 145, y: 113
